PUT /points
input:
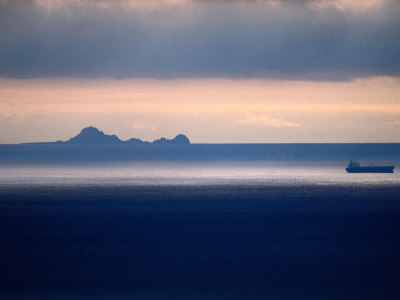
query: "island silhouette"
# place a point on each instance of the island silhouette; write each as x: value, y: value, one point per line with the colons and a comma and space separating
x: 92, y: 135
x: 92, y: 145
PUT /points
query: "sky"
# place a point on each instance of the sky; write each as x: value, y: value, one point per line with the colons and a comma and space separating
x: 222, y: 71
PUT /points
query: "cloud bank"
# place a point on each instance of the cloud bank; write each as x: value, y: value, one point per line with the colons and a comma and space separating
x: 266, y: 121
x: 333, y: 40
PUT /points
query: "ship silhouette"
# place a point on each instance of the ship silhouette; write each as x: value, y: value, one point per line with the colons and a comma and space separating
x: 355, y: 167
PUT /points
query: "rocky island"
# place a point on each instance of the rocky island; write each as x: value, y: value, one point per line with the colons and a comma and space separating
x: 92, y: 135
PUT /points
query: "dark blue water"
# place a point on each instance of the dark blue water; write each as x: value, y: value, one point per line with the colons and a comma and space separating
x: 99, y: 153
x: 222, y: 234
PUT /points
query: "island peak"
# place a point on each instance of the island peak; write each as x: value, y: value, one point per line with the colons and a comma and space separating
x: 92, y: 135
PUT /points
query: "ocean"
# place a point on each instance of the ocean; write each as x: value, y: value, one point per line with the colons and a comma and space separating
x: 198, y: 230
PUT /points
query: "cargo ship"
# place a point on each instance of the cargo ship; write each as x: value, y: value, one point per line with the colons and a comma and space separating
x: 354, y: 167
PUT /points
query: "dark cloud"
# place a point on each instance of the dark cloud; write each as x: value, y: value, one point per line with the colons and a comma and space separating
x: 232, y: 39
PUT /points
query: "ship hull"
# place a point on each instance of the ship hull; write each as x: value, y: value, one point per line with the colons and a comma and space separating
x: 383, y: 169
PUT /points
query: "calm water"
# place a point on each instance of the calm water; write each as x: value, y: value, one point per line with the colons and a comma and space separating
x: 199, y: 231
x: 246, y: 173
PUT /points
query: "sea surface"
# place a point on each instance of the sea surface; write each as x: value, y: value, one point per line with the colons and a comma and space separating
x: 233, y: 230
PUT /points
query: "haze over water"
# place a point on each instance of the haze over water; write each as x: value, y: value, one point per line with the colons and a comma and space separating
x: 192, y: 173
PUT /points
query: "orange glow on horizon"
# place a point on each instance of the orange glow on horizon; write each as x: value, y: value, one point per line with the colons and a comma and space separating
x: 197, y: 96
x: 153, y: 105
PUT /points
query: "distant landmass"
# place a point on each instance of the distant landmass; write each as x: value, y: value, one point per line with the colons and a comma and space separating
x: 91, y: 135
x: 92, y: 146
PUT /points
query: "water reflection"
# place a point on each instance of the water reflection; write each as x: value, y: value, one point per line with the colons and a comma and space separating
x: 190, y: 174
